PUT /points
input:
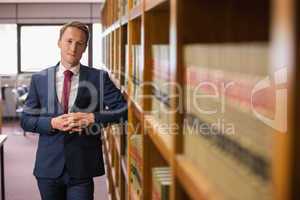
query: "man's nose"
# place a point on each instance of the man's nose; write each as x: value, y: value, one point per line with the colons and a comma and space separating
x: 73, y: 47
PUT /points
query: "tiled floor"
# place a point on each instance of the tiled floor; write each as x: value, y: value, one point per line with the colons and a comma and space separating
x: 19, y: 153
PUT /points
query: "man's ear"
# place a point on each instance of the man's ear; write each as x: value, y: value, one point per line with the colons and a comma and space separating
x: 59, y: 43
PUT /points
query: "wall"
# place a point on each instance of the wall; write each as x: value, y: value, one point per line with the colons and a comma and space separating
x: 40, y: 13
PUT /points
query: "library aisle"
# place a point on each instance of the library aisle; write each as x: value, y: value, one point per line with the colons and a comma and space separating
x: 19, y: 156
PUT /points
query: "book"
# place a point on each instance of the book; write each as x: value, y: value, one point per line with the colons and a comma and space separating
x: 136, y: 164
x: 122, y: 8
x: 161, y: 182
x: 222, y: 136
x: 137, y: 76
x: 161, y: 88
x: 126, y: 73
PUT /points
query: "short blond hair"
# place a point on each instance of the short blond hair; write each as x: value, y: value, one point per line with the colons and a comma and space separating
x: 76, y: 24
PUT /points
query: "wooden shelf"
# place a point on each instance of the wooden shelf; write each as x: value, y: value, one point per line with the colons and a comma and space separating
x: 137, y: 109
x: 105, y: 149
x: 117, y: 194
x: 162, y: 140
x: 113, y: 173
x: 124, y: 168
x: 113, y: 158
x: 105, y: 156
x: 192, y: 180
x: 109, y: 184
x: 107, y: 146
x: 107, y: 153
x: 154, y: 3
x: 136, y: 12
x: 105, y: 135
x: 112, y: 28
x: 109, y: 160
x: 124, y: 20
x: 117, y: 144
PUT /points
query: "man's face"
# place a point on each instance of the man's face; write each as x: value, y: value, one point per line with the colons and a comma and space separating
x: 72, y: 46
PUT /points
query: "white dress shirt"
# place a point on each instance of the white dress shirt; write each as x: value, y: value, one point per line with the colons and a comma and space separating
x: 74, y: 83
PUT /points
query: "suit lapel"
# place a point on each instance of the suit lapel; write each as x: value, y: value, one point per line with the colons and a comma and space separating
x: 52, y: 92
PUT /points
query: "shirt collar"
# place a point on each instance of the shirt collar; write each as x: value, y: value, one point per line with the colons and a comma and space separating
x: 74, y: 69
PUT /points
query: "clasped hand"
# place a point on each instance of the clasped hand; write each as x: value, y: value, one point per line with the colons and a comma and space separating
x: 72, y: 122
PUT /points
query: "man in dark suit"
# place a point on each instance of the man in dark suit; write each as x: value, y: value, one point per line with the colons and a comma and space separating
x: 67, y: 105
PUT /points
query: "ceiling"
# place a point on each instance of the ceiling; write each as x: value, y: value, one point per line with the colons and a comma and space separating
x: 52, y: 1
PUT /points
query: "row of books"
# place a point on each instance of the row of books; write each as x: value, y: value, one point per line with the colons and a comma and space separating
x: 117, y: 131
x: 222, y: 134
x: 126, y: 71
x: 161, y: 83
x: 112, y: 139
x: 107, y: 55
x: 135, y: 175
x: 137, y: 71
x: 161, y: 183
x: 115, y: 139
x: 113, y: 10
x: 137, y: 76
x: 123, y: 7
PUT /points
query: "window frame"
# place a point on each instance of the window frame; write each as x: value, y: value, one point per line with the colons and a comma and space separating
x: 20, y: 25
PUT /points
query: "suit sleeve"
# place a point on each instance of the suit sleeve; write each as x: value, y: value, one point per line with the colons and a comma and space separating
x: 114, y: 101
x: 32, y: 118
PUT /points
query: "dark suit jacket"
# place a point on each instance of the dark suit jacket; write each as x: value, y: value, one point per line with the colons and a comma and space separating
x: 80, y: 154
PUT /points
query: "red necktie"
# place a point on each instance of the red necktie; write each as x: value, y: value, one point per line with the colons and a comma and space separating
x: 66, y: 90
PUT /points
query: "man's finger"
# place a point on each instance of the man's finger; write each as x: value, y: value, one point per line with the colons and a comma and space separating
x: 65, y: 123
x: 64, y: 116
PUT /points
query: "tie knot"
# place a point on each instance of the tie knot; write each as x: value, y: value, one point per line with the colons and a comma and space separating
x: 68, y: 73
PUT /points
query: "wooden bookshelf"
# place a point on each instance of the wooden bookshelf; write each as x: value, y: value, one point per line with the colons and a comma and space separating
x: 161, y: 139
x: 135, y: 12
x: 193, y: 182
x: 149, y: 5
x: 131, y: 40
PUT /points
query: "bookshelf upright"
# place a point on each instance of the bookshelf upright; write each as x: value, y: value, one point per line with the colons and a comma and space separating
x: 172, y: 58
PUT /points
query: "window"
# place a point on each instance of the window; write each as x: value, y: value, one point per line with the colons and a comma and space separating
x: 39, y: 48
x: 8, y: 49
